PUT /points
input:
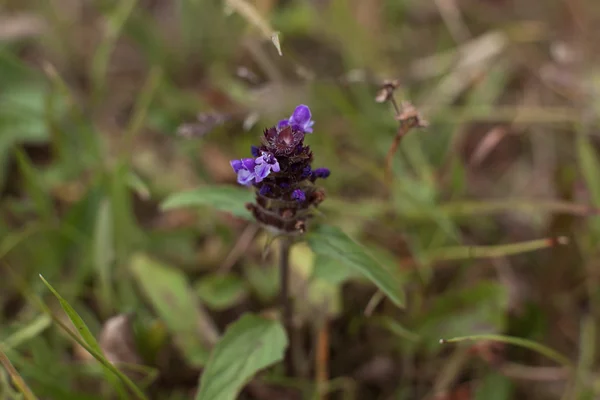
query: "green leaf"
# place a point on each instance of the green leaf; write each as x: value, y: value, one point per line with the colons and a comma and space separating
x: 173, y: 299
x: 329, y: 270
x: 249, y: 345
x: 332, y: 242
x: 220, y: 291
x: 224, y: 198
x: 91, y: 345
x: 77, y: 321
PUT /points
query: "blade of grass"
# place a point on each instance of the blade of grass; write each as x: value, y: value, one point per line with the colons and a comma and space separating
x: 30, y: 331
x: 14, y: 239
x: 141, y: 110
x: 115, y: 22
x: 251, y: 14
x: 16, y: 378
x: 587, y: 351
x: 516, y: 341
x: 471, y: 252
x: 89, y: 342
x: 104, y: 253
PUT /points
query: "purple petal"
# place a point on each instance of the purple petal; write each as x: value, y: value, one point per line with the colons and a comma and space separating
x: 321, y: 172
x: 245, y: 177
x: 249, y: 163
x: 255, y: 151
x: 307, y: 128
x: 298, y: 195
x: 269, y: 158
x: 259, y: 160
x: 301, y: 115
x: 236, y: 165
x: 261, y: 171
x: 275, y: 167
x: 283, y: 123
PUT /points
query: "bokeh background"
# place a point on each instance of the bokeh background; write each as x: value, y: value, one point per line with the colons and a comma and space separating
x: 108, y: 107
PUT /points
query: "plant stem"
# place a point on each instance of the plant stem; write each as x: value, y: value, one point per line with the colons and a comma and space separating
x: 286, y: 304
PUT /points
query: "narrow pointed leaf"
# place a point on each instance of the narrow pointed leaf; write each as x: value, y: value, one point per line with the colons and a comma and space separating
x: 330, y: 241
x: 91, y: 345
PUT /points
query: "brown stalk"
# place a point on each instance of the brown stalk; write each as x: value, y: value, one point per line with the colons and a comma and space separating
x: 16, y: 378
x: 407, y: 116
x: 322, y: 359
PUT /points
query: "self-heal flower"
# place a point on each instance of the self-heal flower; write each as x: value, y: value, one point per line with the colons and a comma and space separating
x: 300, y: 120
x: 244, y: 169
x: 282, y: 176
x: 264, y: 165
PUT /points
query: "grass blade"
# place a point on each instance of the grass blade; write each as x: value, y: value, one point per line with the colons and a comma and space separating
x: 472, y: 252
x: 516, y: 341
x: 89, y: 342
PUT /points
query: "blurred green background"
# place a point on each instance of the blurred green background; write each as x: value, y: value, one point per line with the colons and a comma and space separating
x: 92, y: 97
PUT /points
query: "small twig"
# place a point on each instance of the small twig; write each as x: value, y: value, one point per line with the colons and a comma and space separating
x: 373, y: 303
x: 407, y: 116
x: 286, y: 304
x: 239, y: 248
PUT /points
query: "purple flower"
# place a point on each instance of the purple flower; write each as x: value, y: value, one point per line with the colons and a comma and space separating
x: 264, y: 165
x: 255, y: 151
x: 244, y: 169
x: 300, y: 120
x: 299, y: 195
x: 321, y: 173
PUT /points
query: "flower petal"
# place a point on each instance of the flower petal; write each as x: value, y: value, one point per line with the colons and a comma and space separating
x: 249, y: 163
x: 261, y: 171
x: 245, y: 177
x: 283, y: 123
x: 275, y: 166
x: 301, y: 115
x: 236, y: 165
x: 308, y: 127
x: 321, y: 173
x: 255, y: 151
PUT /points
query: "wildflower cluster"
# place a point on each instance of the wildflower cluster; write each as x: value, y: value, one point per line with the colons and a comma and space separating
x: 282, y: 174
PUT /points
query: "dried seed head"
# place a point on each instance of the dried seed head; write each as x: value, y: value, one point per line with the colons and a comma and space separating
x: 386, y: 91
